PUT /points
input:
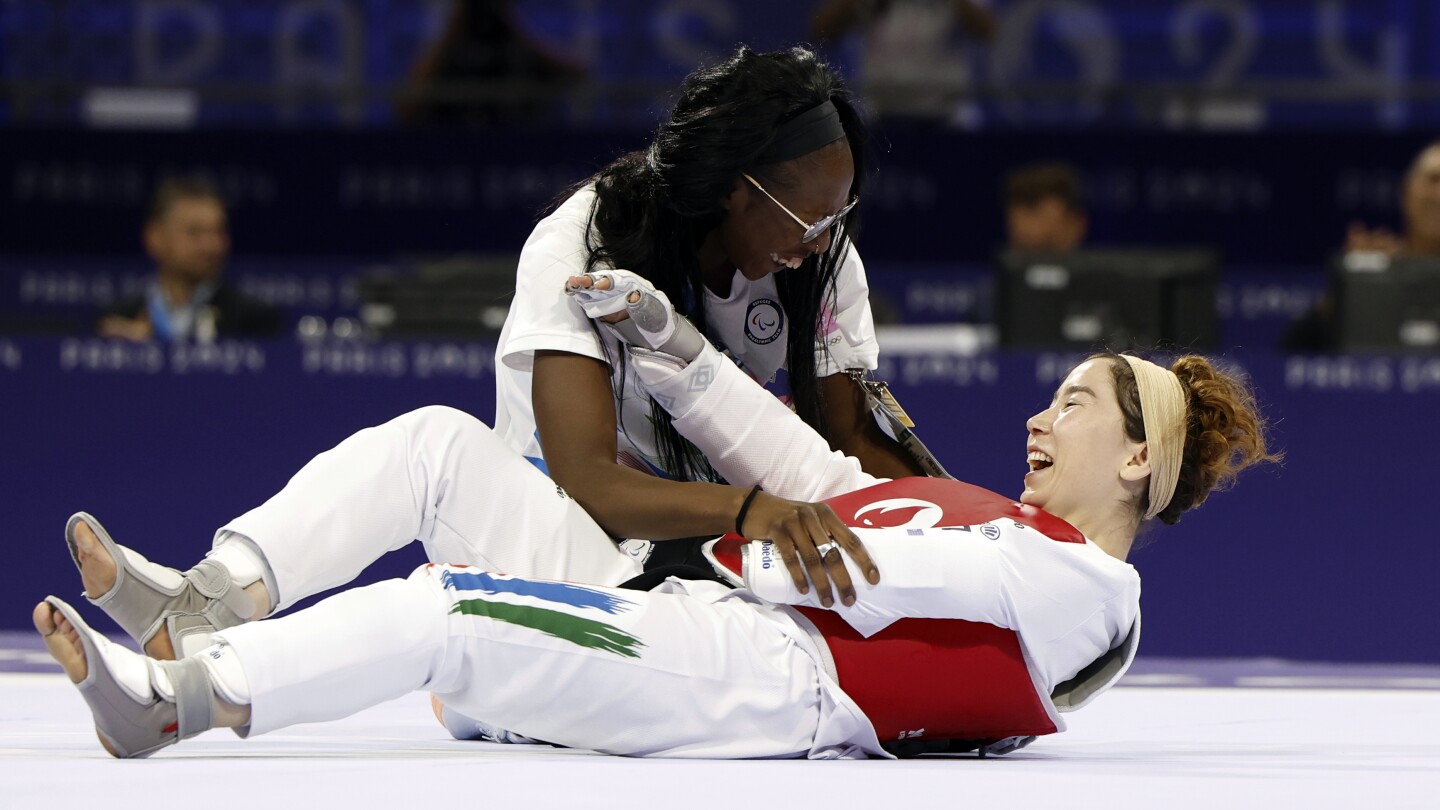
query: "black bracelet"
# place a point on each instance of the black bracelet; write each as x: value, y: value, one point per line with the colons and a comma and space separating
x: 745, y: 507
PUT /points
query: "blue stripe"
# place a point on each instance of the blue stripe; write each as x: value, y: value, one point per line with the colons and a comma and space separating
x: 537, y: 460
x: 549, y: 591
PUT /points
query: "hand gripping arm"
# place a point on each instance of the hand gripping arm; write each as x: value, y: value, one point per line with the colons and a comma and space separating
x: 748, y: 435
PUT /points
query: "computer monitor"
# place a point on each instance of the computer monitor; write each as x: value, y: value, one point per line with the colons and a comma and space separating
x: 1385, y: 304
x: 463, y: 296
x: 1118, y: 299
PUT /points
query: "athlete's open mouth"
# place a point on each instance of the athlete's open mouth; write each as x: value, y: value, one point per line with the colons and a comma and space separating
x: 1039, y: 460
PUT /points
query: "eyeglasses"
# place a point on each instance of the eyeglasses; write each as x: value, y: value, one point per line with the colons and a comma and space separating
x: 812, y: 232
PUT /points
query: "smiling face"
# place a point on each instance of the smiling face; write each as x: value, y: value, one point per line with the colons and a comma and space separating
x: 758, y: 237
x: 1082, y: 465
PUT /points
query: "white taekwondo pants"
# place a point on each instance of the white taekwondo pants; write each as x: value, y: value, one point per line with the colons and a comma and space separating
x: 437, y: 475
x: 692, y: 669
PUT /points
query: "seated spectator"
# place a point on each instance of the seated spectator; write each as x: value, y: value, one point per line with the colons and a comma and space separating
x: 186, y: 235
x: 1043, y: 210
x: 1317, y: 330
x: 487, y: 70
x: 1420, y: 207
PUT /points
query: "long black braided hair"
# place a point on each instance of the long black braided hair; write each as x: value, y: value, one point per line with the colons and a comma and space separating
x: 654, y: 207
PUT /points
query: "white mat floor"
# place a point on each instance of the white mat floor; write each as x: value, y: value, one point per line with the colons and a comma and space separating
x: 1221, y: 748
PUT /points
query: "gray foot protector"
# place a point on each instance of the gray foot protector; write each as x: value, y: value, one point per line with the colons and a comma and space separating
x: 135, y: 727
x: 148, y: 597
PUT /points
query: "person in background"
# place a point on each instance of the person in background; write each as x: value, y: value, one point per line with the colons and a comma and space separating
x: 1420, y: 207
x: 487, y: 70
x: 1043, y: 209
x: 914, y: 59
x: 1317, y: 330
x: 187, y: 300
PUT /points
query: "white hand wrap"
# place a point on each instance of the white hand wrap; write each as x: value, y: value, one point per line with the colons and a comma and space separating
x: 653, y: 322
x: 597, y: 302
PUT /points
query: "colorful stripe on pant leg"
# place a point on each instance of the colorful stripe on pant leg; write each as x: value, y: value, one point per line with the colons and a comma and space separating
x: 564, y: 593
x: 584, y: 632
x: 589, y: 633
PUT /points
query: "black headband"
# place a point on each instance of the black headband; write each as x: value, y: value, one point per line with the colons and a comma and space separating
x: 816, y: 127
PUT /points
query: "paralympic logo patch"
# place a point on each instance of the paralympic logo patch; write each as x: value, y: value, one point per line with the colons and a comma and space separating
x: 764, y: 321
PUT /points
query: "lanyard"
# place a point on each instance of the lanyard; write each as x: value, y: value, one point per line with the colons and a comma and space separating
x: 159, y: 314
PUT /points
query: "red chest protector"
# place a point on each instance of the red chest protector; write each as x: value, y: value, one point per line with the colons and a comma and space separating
x: 932, y: 678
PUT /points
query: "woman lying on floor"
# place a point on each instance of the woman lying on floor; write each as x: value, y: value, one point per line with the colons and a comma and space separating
x: 987, y: 598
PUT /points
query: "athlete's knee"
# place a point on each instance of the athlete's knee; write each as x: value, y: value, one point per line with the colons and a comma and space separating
x: 442, y: 423
x: 443, y: 416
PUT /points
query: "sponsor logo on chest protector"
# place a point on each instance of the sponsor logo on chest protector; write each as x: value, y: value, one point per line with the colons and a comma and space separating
x: 764, y: 321
x: 767, y: 554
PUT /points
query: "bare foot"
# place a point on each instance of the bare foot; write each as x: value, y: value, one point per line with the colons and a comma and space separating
x: 160, y: 648
x: 62, y: 641
x: 97, y: 567
x: 97, y: 574
x: 98, y: 577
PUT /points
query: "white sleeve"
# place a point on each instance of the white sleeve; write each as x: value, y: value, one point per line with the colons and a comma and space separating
x: 848, y: 333
x: 931, y: 573
x: 541, y: 316
x: 1070, y: 602
x: 748, y: 435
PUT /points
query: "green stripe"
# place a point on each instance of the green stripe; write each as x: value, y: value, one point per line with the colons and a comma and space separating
x: 585, y: 632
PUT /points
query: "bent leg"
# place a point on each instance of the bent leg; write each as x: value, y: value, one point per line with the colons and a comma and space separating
x: 437, y: 475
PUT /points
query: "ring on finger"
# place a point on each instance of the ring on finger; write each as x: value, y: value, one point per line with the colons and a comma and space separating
x: 825, y: 548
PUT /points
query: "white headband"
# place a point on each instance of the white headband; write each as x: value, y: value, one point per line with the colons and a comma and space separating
x: 1162, y: 407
